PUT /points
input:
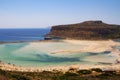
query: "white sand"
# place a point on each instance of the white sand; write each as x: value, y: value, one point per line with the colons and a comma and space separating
x: 71, y: 46
x: 95, y: 46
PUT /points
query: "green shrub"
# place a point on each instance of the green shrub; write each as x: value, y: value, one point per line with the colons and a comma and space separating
x: 19, y: 77
x: 84, y: 71
x: 3, y: 78
x: 70, y: 74
x: 96, y: 69
x: 109, y: 73
x: 2, y: 72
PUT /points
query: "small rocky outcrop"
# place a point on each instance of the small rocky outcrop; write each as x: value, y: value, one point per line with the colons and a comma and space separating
x: 92, y: 30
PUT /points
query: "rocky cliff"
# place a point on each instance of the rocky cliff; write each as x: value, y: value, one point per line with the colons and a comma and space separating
x: 92, y: 30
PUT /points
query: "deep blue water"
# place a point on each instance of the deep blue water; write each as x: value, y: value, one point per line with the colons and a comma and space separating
x: 13, y: 35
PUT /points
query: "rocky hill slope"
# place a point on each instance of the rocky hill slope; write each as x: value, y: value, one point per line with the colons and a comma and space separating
x: 93, y: 30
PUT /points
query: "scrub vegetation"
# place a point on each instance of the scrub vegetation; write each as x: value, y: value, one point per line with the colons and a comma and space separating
x: 72, y: 74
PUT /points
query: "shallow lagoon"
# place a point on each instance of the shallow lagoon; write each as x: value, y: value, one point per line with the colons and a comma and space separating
x: 39, y: 54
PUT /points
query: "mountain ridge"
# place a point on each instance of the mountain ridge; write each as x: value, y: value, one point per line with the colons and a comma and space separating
x: 90, y: 30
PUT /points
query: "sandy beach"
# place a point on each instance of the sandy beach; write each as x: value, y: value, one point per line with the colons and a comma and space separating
x: 96, y: 46
x: 12, y: 67
x: 78, y: 46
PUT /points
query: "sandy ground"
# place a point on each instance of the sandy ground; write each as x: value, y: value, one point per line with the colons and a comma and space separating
x: 11, y: 67
x: 95, y: 46
x: 67, y: 46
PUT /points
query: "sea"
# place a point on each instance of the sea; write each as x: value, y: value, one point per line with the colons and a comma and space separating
x: 16, y: 35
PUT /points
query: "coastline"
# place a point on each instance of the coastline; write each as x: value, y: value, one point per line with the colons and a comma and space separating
x: 12, y: 67
x: 24, y: 41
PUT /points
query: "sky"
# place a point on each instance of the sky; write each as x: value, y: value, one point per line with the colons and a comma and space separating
x: 46, y: 13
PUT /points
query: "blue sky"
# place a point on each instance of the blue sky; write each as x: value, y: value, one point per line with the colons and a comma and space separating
x: 45, y: 13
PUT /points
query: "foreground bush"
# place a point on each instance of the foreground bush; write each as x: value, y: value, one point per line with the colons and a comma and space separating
x: 84, y: 71
x: 96, y: 69
x: 70, y: 74
x: 46, y: 75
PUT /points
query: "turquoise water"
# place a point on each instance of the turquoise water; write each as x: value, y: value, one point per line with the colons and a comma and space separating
x: 48, y: 53
x: 20, y: 55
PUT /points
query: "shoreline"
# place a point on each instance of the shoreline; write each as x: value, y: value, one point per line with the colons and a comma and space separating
x: 21, y: 42
x: 12, y: 67
x: 1, y: 42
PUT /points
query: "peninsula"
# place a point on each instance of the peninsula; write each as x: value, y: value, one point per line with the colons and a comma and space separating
x: 88, y: 30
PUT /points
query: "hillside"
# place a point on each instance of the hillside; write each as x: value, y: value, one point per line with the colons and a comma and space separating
x: 92, y: 30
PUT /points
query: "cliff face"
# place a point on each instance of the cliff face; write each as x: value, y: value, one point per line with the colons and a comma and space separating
x: 86, y: 30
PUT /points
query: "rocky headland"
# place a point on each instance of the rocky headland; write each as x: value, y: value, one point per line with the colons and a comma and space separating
x: 88, y: 30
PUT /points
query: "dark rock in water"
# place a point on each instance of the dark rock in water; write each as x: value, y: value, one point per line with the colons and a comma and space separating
x: 117, y: 61
x: 48, y: 38
x: 107, y: 52
x: 52, y: 38
x: 92, y: 54
x: 93, y: 30
x: 117, y: 40
x: 104, y: 63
